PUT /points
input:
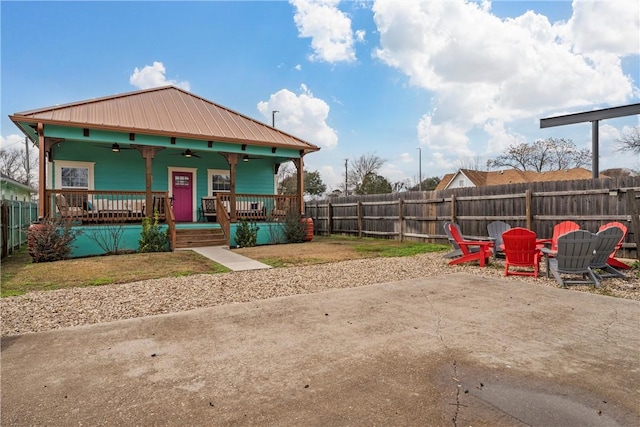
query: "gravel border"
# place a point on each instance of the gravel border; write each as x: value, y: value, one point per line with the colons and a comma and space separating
x: 47, y: 310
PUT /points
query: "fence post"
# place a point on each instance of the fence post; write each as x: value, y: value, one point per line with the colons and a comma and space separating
x: 359, y: 215
x: 401, y: 220
x: 453, y: 208
x: 527, y: 208
x: 329, y: 219
x: 634, y: 211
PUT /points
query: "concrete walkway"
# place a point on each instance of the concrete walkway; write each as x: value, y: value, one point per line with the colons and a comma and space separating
x: 454, y: 350
x: 222, y: 255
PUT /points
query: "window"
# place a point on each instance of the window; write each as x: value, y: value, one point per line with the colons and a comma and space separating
x: 219, y: 181
x: 74, y: 175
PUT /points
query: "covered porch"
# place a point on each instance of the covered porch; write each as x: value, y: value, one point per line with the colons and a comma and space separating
x: 164, y: 151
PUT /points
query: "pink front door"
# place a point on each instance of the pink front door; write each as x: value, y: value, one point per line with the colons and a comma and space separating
x: 182, y: 187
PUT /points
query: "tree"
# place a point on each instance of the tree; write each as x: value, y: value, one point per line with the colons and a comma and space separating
x: 630, y: 140
x: 15, y: 164
x: 313, y: 184
x: 361, y: 167
x: 471, y: 163
x: 373, y: 184
x: 542, y: 155
x: 428, y: 184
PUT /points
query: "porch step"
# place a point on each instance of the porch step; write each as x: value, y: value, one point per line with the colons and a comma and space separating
x: 199, y: 237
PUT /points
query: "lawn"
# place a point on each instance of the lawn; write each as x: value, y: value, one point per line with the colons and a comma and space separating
x: 20, y: 275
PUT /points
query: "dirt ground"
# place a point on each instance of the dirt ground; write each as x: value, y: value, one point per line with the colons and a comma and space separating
x: 313, y: 252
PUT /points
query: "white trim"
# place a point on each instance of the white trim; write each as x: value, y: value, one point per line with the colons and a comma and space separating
x: 59, y: 164
x: 210, y: 173
x: 194, y: 187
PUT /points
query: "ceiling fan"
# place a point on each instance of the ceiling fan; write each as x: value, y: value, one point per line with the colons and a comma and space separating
x: 188, y: 153
x: 246, y: 158
x: 115, y: 147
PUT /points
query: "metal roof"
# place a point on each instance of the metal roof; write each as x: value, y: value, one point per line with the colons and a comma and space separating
x: 166, y: 111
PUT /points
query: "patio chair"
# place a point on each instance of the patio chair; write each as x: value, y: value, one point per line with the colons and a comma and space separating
x: 209, y: 208
x: 608, y: 239
x: 483, y: 248
x: 521, y: 250
x: 456, y: 252
x: 574, y: 255
x: 613, y: 261
x: 70, y: 212
x: 559, y: 229
x: 495, y: 230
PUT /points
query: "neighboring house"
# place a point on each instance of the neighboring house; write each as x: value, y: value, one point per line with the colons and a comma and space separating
x: 473, y: 178
x: 159, y: 151
x: 14, y: 190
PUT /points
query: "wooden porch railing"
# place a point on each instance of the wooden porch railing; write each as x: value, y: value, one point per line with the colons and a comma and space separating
x: 105, y: 206
x: 252, y: 207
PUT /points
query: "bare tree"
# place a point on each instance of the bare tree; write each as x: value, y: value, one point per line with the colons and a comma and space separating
x: 366, y: 164
x: 630, y: 140
x: 542, y: 155
x: 471, y: 163
x: 15, y: 164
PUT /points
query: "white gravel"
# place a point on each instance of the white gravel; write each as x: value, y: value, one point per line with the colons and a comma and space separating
x: 46, y: 310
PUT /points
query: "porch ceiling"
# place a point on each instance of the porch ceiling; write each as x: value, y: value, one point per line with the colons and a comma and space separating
x: 165, y: 111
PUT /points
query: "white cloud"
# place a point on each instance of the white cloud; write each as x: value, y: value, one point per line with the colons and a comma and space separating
x: 301, y: 115
x: 298, y: 67
x: 486, y: 72
x: 153, y: 76
x: 328, y: 27
x: 610, y: 26
x: 11, y: 141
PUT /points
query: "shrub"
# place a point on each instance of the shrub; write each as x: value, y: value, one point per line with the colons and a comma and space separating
x: 246, y: 234
x: 50, y: 239
x: 294, y: 230
x: 151, y: 238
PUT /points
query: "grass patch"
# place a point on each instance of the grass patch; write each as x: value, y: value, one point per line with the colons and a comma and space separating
x: 20, y: 275
x: 398, y: 249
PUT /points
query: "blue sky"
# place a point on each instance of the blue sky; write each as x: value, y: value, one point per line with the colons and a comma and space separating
x: 461, y: 80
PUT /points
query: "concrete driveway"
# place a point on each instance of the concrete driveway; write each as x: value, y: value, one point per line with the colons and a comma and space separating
x: 456, y: 350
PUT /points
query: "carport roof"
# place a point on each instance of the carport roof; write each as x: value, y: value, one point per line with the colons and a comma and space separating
x: 166, y: 111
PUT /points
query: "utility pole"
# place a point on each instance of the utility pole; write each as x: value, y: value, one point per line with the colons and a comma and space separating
x: 273, y: 118
x: 346, y: 162
x: 28, y: 165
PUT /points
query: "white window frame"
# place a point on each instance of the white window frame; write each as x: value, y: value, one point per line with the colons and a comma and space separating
x: 59, y: 164
x: 210, y: 173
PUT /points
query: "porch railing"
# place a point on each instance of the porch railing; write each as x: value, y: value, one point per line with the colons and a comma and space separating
x: 95, y: 206
x: 252, y: 207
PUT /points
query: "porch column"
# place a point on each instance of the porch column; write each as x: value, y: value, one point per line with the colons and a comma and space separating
x: 42, y: 174
x: 148, y: 153
x: 299, y: 163
x: 232, y: 159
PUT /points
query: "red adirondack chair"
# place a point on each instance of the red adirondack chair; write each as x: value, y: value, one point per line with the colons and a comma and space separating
x: 521, y: 250
x: 484, y: 248
x: 613, y: 261
x: 559, y: 229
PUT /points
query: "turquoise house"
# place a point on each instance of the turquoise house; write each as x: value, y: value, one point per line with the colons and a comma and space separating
x: 107, y: 163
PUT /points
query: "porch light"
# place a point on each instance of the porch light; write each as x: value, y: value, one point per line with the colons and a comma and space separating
x: 245, y: 158
x: 115, y: 148
x: 187, y: 153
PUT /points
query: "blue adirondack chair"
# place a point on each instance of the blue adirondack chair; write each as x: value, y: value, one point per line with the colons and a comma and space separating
x: 574, y: 256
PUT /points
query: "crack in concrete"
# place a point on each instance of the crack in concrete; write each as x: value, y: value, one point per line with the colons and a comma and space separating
x: 608, y: 325
x: 455, y: 378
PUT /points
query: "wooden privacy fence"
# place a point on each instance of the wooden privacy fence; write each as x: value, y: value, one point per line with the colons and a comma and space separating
x: 537, y: 206
x: 15, y: 218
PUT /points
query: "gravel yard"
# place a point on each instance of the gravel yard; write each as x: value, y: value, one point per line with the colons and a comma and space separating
x: 46, y: 310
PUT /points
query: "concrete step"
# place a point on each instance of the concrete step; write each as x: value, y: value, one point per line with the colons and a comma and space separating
x: 196, y: 237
